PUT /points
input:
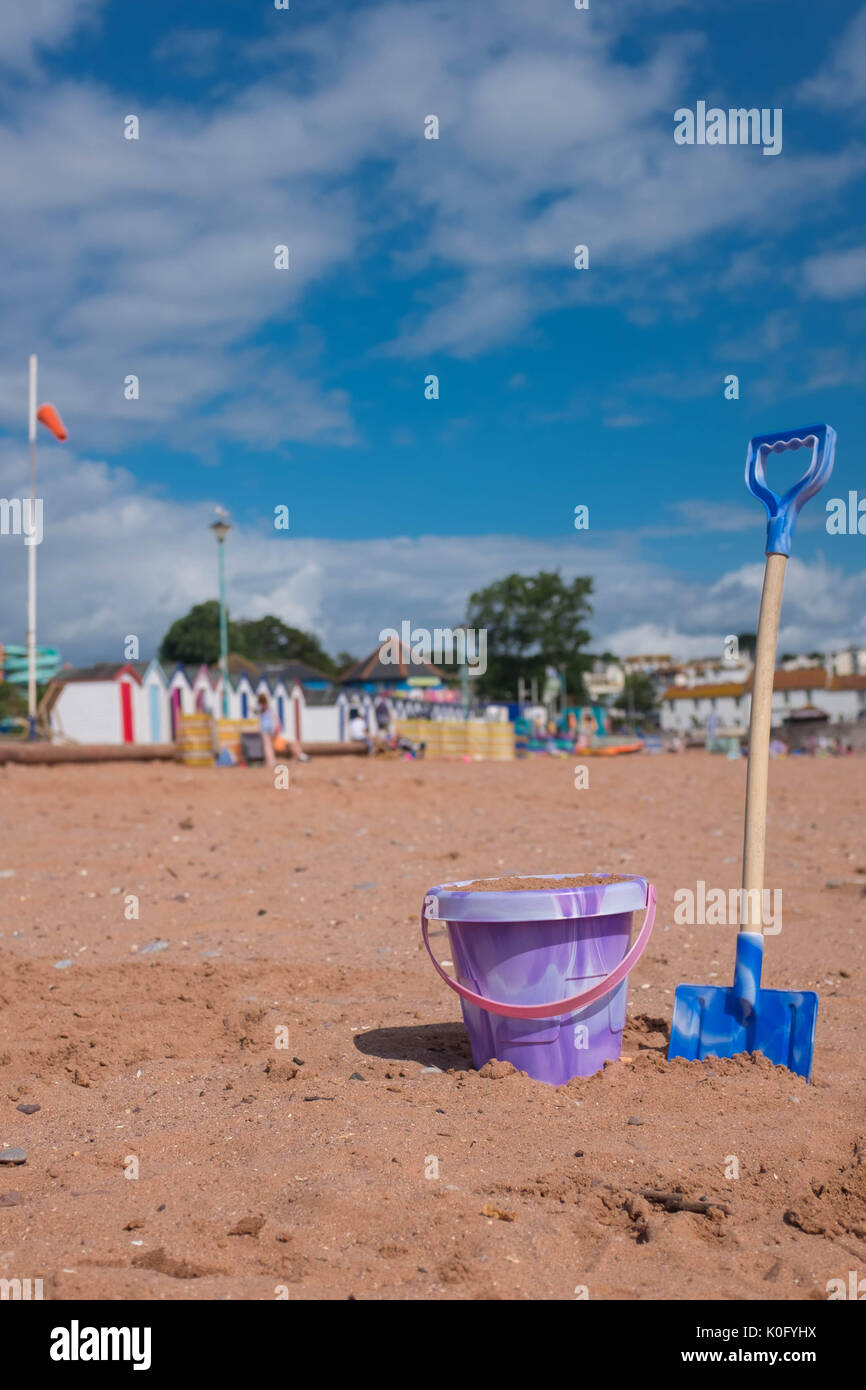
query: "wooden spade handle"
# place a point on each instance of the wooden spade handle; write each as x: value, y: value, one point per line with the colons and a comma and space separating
x: 760, y: 719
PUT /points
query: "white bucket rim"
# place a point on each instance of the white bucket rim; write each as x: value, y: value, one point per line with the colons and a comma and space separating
x: 448, y: 903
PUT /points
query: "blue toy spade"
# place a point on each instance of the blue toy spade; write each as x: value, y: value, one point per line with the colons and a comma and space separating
x: 711, y: 1021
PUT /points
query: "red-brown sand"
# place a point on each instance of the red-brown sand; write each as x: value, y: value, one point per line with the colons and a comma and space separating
x: 516, y: 883
x: 369, y: 1160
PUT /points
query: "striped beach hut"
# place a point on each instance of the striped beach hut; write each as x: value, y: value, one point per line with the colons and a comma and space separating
x: 94, y: 704
x: 180, y: 697
x: 245, y: 696
x: 204, y: 691
x: 152, y: 704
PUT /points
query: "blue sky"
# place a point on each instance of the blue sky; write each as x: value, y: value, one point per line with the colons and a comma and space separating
x: 411, y: 257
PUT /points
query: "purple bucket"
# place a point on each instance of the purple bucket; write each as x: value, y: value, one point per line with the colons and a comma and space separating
x: 542, y: 974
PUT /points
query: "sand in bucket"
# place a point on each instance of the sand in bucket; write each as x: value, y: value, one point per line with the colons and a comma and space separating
x: 541, y: 965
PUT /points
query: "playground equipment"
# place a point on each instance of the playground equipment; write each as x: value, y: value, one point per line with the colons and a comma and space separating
x: 15, y: 664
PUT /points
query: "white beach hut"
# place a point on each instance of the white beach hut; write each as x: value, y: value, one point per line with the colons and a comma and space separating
x: 95, y: 704
x: 245, y: 697
x: 180, y: 698
x: 152, y: 705
x: 204, y: 692
x: 281, y: 698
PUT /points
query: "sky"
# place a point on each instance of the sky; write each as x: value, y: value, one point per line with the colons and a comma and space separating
x: 411, y: 258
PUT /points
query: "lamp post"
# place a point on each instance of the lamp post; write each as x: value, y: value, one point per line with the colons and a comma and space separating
x: 221, y: 528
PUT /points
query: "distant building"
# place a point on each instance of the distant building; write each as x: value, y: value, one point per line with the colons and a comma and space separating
x: 844, y: 697
x: 660, y: 669
x: 799, y: 663
x: 605, y: 681
x: 686, y: 708
x: 98, y: 704
x: 307, y: 676
x: 850, y: 661
x: 407, y: 678
x: 139, y: 702
x: 713, y: 670
x: 649, y: 665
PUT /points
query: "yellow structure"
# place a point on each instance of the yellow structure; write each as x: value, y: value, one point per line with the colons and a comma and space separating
x: 478, y: 739
x: 228, y: 734
x: 195, y: 734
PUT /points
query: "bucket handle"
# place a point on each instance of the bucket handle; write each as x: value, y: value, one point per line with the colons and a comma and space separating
x: 561, y: 1006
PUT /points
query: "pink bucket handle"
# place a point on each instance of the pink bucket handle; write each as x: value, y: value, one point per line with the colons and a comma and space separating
x: 561, y: 1006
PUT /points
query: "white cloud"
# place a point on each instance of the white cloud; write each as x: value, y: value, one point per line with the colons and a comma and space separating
x: 31, y: 26
x: 655, y: 638
x: 836, y: 274
x: 841, y: 80
x: 156, y: 256
x: 118, y: 560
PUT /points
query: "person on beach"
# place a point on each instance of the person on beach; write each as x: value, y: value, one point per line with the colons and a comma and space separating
x: 269, y: 731
x: 358, y: 729
x: 384, y: 723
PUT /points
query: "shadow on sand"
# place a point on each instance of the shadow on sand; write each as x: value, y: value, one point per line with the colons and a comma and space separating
x: 441, y: 1045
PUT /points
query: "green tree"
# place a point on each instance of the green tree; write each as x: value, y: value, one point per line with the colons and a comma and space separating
x: 639, y: 694
x: 12, y: 700
x: 195, y: 638
x: 532, y: 621
x: 271, y: 640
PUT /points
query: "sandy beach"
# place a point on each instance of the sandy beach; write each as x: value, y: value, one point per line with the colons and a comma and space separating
x: 367, y: 1159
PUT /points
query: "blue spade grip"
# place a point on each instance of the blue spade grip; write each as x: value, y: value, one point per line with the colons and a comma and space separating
x: 782, y: 512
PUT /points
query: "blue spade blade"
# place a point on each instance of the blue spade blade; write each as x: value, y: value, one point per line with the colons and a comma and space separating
x: 712, y: 1021
x: 708, y: 1023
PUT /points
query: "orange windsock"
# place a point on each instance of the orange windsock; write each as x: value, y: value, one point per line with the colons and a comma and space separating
x: 52, y: 421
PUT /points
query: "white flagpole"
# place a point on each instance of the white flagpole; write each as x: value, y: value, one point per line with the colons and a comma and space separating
x: 31, y: 561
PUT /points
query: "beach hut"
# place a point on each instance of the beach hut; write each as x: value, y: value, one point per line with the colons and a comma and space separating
x: 152, y: 704
x: 341, y: 709
x: 279, y: 698
x: 204, y: 692
x: 180, y: 698
x: 217, y: 704
x: 296, y: 714
x: 94, y: 704
x: 262, y: 686
x: 245, y: 696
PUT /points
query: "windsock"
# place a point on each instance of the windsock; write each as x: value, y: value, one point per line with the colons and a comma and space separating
x: 50, y: 418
